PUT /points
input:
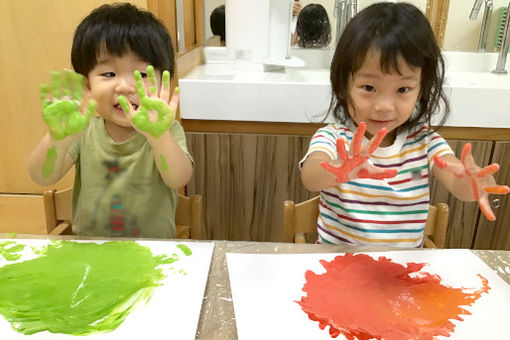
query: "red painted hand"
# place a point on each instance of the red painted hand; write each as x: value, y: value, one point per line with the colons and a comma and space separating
x: 354, y: 164
x: 481, y: 180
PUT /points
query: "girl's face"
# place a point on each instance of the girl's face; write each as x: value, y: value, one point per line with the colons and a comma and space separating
x: 383, y: 100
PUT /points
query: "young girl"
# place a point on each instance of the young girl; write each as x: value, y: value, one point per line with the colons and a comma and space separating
x: 387, y: 76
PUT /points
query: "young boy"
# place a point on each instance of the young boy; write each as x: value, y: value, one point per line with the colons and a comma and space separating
x: 130, y: 160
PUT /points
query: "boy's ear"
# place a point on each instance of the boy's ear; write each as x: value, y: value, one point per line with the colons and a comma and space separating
x: 86, y: 85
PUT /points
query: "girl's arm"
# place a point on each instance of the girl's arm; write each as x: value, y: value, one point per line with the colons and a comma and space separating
x: 313, y: 175
x: 49, y: 161
x: 173, y: 163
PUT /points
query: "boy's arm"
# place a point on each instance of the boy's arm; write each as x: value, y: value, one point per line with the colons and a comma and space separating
x: 49, y: 161
x: 173, y: 163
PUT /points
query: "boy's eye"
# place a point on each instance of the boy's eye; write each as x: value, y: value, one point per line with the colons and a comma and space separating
x: 108, y: 74
x: 403, y: 89
x: 143, y: 74
x: 368, y: 88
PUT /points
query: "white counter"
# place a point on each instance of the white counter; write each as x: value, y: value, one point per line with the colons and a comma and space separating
x: 222, y: 92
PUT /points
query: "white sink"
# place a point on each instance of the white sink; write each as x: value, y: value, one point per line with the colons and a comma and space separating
x: 223, y: 91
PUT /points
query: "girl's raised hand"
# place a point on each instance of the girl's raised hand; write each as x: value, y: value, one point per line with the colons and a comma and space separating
x: 61, y: 105
x: 156, y: 112
x: 481, y: 181
x: 354, y: 163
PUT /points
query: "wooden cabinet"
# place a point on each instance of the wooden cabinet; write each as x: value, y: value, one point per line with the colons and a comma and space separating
x: 496, y: 235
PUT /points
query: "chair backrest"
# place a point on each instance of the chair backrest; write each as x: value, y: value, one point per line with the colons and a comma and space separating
x: 57, y: 210
x: 301, y: 218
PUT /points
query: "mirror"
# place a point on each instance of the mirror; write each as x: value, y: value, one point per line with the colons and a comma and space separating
x: 461, y: 34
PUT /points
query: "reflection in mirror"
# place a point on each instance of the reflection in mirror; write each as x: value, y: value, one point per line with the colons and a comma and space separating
x: 313, y: 29
x: 214, y: 25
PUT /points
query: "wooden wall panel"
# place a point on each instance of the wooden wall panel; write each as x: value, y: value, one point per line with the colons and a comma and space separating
x: 496, y: 235
x: 244, y: 180
x: 36, y: 38
x: 22, y: 214
x: 463, y: 215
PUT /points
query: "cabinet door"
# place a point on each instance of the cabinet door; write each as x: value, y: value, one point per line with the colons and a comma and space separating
x: 244, y: 180
x: 496, y: 235
x: 463, y: 215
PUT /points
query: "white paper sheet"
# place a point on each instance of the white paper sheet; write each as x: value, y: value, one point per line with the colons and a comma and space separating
x: 172, y: 312
x: 265, y: 288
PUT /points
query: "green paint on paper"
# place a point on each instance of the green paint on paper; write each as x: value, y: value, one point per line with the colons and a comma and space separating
x: 164, y: 165
x: 49, y: 164
x: 10, y: 235
x: 79, y: 288
x: 185, y: 250
x: 62, y: 114
x: 9, y: 250
x: 166, y: 78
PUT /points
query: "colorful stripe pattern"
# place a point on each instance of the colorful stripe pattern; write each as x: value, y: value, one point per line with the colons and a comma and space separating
x: 389, y: 212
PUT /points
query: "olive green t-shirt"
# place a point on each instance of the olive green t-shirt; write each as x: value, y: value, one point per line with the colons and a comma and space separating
x: 118, y: 190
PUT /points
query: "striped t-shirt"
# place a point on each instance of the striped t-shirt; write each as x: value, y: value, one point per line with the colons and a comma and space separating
x: 388, y: 212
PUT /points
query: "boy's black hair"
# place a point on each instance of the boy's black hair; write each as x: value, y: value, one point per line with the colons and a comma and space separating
x: 313, y: 27
x: 393, y: 29
x: 117, y: 29
x: 217, y: 22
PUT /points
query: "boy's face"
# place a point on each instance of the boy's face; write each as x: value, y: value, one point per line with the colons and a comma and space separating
x: 113, y: 76
x: 383, y: 99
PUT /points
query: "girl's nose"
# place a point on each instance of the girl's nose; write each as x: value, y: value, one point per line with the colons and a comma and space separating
x: 384, y: 103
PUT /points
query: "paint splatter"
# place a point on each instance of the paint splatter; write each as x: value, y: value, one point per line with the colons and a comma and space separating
x: 79, y: 288
x: 362, y: 298
x: 9, y: 250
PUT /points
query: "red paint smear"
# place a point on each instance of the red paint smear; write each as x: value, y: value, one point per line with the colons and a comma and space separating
x: 364, y: 298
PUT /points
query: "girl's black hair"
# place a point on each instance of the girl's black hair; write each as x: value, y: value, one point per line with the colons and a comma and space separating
x: 313, y: 27
x: 394, y: 30
x: 117, y: 29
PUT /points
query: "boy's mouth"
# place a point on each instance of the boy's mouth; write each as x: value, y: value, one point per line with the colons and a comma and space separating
x: 118, y: 107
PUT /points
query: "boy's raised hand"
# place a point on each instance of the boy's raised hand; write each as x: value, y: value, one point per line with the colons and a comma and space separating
x: 481, y: 181
x: 354, y: 163
x: 61, y: 105
x: 160, y: 107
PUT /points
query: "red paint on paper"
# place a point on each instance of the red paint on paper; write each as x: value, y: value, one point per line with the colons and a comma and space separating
x: 363, y: 298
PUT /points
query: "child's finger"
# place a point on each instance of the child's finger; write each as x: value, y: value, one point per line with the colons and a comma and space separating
x: 386, y: 173
x: 126, y: 106
x: 174, y: 102
x: 489, y: 170
x: 164, y: 94
x: 486, y: 209
x: 152, y: 78
x: 497, y: 189
x: 466, y: 154
x: 376, y: 140
x: 43, y: 93
x: 55, y: 84
x: 358, y: 138
x: 140, y: 89
x: 340, y: 149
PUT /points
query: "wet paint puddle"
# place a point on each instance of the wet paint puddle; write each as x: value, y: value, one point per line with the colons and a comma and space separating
x: 364, y: 298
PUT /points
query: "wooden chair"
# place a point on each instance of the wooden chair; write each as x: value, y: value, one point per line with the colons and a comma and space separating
x: 57, y: 210
x: 301, y: 218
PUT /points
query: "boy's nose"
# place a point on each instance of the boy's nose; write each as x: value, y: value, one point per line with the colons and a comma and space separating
x: 126, y: 85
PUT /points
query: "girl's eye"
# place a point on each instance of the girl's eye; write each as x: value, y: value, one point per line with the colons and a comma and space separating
x: 108, y: 74
x: 403, y: 89
x: 368, y: 88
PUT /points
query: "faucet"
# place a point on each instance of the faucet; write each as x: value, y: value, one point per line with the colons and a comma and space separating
x: 503, y: 51
x: 343, y: 12
x: 487, y: 12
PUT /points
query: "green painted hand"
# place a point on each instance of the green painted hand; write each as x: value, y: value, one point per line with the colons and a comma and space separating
x: 152, y: 105
x: 61, y: 107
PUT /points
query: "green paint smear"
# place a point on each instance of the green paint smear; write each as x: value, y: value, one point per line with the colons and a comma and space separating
x: 10, y: 249
x: 49, y: 164
x: 186, y: 251
x: 10, y: 235
x: 164, y: 165
x: 79, y: 288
